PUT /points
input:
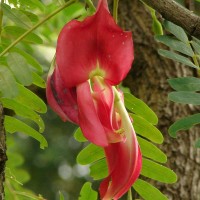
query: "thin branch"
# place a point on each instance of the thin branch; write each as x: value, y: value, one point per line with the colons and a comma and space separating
x: 35, y: 26
x: 1, y: 17
x: 177, y: 14
x: 115, y: 9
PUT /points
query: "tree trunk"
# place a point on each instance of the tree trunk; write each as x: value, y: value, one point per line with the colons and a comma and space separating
x: 3, y: 156
x: 148, y: 81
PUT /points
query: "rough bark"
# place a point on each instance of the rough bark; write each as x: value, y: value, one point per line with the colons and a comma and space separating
x: 148, y: 81
x: 3, y: 157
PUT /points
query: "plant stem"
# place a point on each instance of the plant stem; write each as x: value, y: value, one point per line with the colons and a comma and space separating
x: 1, y: 17
x: 129, y: 197
x: 36, y: 26
x: 115, y: 9
x: 90, y: 4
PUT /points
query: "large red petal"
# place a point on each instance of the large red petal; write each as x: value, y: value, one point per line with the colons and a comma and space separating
x: 96, y: 41
x: 61, y: 99
x: 89, y: 121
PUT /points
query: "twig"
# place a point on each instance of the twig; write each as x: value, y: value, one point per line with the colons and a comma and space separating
x: 35, y: 26
x: 177, y: 14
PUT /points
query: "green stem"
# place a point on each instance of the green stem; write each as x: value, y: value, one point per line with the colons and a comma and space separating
x: 129, y: 197
x: 90, y: 4
x: 195, y: 60
x: 36, y: 26
x: 1, y: 16
x: 115, y: 9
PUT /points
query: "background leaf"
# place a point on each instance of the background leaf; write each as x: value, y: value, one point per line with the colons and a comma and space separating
x: 19, y: 67
x: 146, y: 129
x: 151, y: 151
x: 8, y: 85
x: 175, y: 44
x: 176, y: 31
x: 30, y: 100
x: 87, y: 193
x: 90, y: 154
x: 16, y: 16
x: 15, y: 32
x: 138, y: 107
x: 14, y: 125
x: 78, y: 135
x: 185, y: 84
x: 185, y: 97
x: 184, y: 124
x: 23, y: 111
x: 148, y: 191
x: 157, y: 172
x: 99, y: 169
x: 29, y: 59
x: 176, y: 57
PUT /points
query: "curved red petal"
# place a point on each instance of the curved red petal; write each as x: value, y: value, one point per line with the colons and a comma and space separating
x: 88, y: 118
x: 95, y: 42
x: 123, y: 158
x: 61, y: 99
x: 124, y: 165
x: 103, y: 96
x: 104, y: 99
x: 53, y: 103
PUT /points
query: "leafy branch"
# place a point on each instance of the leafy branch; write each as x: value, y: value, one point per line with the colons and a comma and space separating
x: 36, y: 26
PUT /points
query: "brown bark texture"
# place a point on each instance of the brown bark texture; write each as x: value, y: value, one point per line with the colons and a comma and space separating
x: 3, y: 156
x: 148, y: 81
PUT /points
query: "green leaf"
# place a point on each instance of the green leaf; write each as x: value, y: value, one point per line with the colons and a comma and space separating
x: 21, y: 175
x: 61, y: 197
x: 176, y: 57
x: 185, y: 84
x: 30, y: 100
x: 37, y: 80
x: 29, y: 59
x: 32, y: 4
x: 23, y: 111
x: 197, y: 145
x: 31, y: 16
x: 196, y: 47
x: 146, y: 129
x: 87, y: 193
x: 138, y: 107
x: 185, y: 97
x: 157, y: 172
x: 99, y: 169
x: 148, y: 191
x: 14, y: 159
x: 73, y: 11
x: 90, y: 154
x: 184, y: 124
x: 176, y: 31
x: 16, y: 16
x: 149, y: 150
x: 156, y: 25
x: 19, y: 67
x: 14, y: 125
x: 8, y: 85
x: 15, y: 32
x: 78, y: 135
x: 175, y: 44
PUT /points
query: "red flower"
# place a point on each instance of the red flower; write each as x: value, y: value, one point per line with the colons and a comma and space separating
x: 91, y: 57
